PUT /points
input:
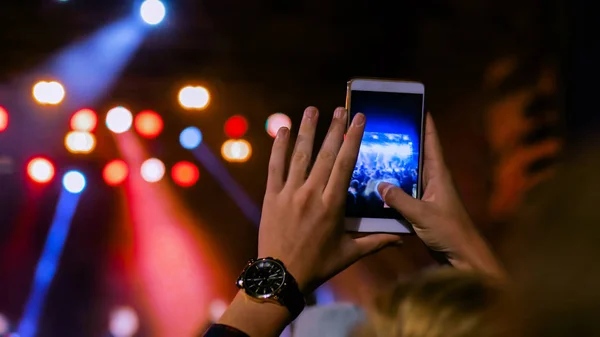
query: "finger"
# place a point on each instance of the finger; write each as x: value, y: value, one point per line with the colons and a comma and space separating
x: 372, y: 243
x: 303, y: 149
x: 412, y: 209
x: 337, y: 186
x: 433, y: 150
x: 331, y: 146
x: 277, y: 161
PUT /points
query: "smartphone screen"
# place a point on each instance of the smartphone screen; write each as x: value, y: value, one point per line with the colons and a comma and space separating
x: 389, y: 152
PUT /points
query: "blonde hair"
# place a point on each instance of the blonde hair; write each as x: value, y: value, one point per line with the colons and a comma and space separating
x: 445, y: 303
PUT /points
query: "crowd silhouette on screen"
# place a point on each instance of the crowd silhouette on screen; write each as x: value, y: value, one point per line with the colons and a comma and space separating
x: 383, y: 157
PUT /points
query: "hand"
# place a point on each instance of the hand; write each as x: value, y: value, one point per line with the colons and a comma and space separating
x: 440, y: 218
x: 302, y: 217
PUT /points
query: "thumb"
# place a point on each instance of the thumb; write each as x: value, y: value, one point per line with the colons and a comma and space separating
x: 395, y: 197
x: 373, y: 243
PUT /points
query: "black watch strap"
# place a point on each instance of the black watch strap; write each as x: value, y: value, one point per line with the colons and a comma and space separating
x: 291, y: 297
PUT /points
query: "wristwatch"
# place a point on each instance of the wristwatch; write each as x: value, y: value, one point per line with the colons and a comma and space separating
x: 267, y: 280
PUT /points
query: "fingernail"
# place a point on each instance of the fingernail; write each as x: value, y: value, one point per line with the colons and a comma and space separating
x: 339, y: 113
x: 384, y: 188
x: 283, y: 132
x: 359, y: 120
x: 310, y: 112
x: 397, y: 243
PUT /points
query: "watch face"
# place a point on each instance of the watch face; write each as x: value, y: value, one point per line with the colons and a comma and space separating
x: 263, y: 278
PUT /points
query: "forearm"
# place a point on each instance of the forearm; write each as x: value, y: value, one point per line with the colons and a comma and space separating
x: 254, y: 318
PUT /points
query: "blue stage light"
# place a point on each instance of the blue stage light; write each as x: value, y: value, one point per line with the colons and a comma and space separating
x: 190, y: 138
x: 74, y: 182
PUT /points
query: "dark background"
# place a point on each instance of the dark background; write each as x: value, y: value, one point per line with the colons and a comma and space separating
x: 268, y: 56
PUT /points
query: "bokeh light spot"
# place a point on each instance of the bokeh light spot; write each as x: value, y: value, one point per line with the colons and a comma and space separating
x: 119, y: 119
x: 217, y: 309
x: 74, y: 182
x: 80, y: 142
x: 148, y: 124
x: 185, y: 174
x: 3, y: 119
x: 190, y: 138
x: 84, y: 120
x: 153, y: 12
x: 236, y: 150
x: 40, y: 170
x: 277, y: 121
x: 236, y: 127
x: 124, y: 322
x: 191, y: 97
x: 153, y: 170
x: 50, y: 93
x: 115, y: 172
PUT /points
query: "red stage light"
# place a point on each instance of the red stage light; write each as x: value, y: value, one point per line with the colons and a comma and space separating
x: 84, y: 120
x: 148, y: 124
x: 3, y: 119
x: 236, y: 127
x: 115, y: 172
x: 40, y: 170
x: 185, y: 174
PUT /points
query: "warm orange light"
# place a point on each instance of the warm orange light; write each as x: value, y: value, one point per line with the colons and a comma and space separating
x: 3, y: 119
x: 80, y: 142
x: 40, y: 170
x: 48, y: 93
x: 84, y: 120
x: 236, y: 150
x: 115, y: 172
x: 194, y: 98
x: 185, y: 174
x: 148, y: 124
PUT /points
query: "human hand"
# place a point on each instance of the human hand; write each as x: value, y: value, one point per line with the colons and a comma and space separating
x: 302, y: 217
x: 440, y: 218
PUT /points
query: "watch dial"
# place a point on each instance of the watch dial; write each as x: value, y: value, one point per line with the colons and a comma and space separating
x: 264, y: 278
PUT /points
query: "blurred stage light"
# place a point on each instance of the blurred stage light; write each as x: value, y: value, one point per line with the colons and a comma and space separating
x: 84, y: 120
x: 80, y: 142
x: 190, y: 138
x: 277, y: 121
x: 153, y: 170
x: 194, y: 97
x: 74, y: 182
x: 51, y: 93
x: 236, y: 150
x: 115, y: 172
x: 217, y: 309
x: 4, y: 325
x: 185, y: 174
x: 3, y: 119
x: 153, y: 12
x: 148, y: 124
x: 236, y: 127
x: 119, y: 119
x: 124, y: 322
x: 40, y: 170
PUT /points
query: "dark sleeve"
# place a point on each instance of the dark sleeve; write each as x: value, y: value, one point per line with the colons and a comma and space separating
x: 220, y: 330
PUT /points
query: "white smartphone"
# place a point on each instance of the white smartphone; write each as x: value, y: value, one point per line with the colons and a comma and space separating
x: 390, y: 151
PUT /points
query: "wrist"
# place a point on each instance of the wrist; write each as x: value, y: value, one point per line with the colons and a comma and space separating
x: 474, y: 253
x: 255, y: 318
x: 299, y: 275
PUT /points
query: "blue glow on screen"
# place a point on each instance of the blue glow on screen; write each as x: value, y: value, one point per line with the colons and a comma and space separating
x: 389, y: 151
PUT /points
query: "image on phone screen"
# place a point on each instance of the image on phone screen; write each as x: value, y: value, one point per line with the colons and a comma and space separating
x: 389, y: 151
